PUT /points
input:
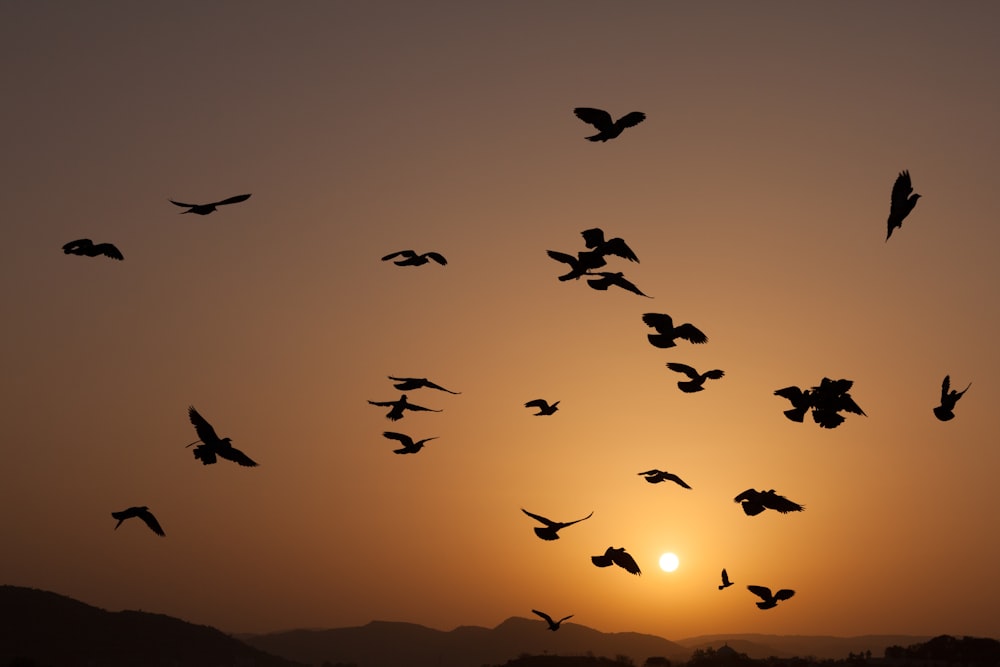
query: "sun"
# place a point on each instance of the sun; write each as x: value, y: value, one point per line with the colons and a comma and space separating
x: 669, y: 562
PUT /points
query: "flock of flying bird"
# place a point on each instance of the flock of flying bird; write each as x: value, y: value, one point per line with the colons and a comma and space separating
x: 827, y: 400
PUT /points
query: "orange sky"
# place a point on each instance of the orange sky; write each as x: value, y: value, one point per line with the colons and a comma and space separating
x: 755, y: 195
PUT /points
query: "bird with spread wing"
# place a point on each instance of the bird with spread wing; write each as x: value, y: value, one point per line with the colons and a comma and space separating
x: 141, y: 512
x: 549, y: 531
x: 205, y: 209
x: 212, y: 445
x: 607, y: 127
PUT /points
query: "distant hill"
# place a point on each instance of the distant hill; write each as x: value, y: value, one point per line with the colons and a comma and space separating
x: 387, y: 644
x: 759, y: 646
x: 54, y: 630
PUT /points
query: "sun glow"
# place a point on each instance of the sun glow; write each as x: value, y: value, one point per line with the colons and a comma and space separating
x: 669, y: 562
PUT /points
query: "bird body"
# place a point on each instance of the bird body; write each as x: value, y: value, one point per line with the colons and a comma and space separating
x: 901, y: 202
x: 553, y: 625
x: 725, y: 580
x: 602, y: 280
x: 409, y: 445
x: 411, y: 258
x: 769, y: 601
x: 754, y: 502
x: 399, y: 407
x: 656, y: 476
x: 607, y: 128
x: 619, y: 557
x: 697, y: 380
x: 86, y: 247
x: 667, y: 333
x: 205, y: 209
x: 827, y: 401
x: 949, y: 397
x: 141, y: 512
x: 551, y: 528
x: 543, y: 406
x: 212, y: 445
x: 409, y: 384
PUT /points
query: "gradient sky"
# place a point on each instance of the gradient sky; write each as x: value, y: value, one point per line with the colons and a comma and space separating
x: 755, y: 195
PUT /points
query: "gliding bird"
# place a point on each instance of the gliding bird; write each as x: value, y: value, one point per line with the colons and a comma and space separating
x: 619, y: 557
x: 411, y: 258
x: 399, y: 407
x: 697, y: 380
x: 602, y: 280
x: 667, y: 333
x: 770, y: 601
x: 656, y: 476
x: 949, y: 397
x: 409, y: 384
x: 606, y: 127
x: 141, y: 512
x: 91, y: 249
x: 725, y: 580
x: 205, y: 209
x: 754, y: 502
x: 212, y: 445
x: 553, y: 625
x: 551, y: 529
x: 543, y: 406
x: 409, y: 446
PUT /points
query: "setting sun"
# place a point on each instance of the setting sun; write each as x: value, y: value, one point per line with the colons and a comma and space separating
x: 669, y: 562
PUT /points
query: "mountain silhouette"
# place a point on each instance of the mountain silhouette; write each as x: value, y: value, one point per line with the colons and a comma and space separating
x: 51, y: 629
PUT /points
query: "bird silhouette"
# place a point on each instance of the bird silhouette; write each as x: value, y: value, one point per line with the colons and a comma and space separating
x: 144, y: 514
x: 205, y: 209
x: 551, y: 528
x: 607, y: 128
x: 88, y: 248
x: 411, y: 258
x: 212, y: 445
x: 543, y: 406
x: 409, y: 446
x: 801, y: 402
x: 594, y: 239
x: 667, y: 333
x: 901, y: 202
x: 409, y: 384
x: 770, y: 601
x: 399, y: 407
x: 697, y: 380
x: 949, y: 397
x: 655, y: 476
x: 725, y: 580
x: 606, y: 279
x: 619, y: 557
x: 754, y: 502
x: 831, y: 398
x: 579, y: 265
x: 553, y: 625
x: 593, y: 258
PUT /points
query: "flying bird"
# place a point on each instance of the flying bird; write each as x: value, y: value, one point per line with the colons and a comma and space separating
x: 607, y: 128
x: 594, y: 239
x: 725, y: 580
x: 90, y: 249
x: 949, y: 397
x: 697, y: 380
x: 619, y: 557
x: 553, y: 625
x: 754, y: 502
x: 141, y: 512
x: 551, y: 528
x: 409, y: 384
x: 411, y: 258
x: 212, y: 445
x: 667, y: 333
x: 770, y: 601
x: 901, y: 202
x: 655, y: 476
x: 580, y: 265
x: 543, y: 406
x: 801, y: 402
x: 831, y: 398
x: 399, y: 407
x: 205, y: 209
x: 606, y: 279
x: 409, y: 446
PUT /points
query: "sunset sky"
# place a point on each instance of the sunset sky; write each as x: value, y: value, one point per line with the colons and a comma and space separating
x: 755, y: 195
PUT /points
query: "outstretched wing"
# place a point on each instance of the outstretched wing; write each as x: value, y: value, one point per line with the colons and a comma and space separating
x: 714, y: 374
x: 384, y: 404
x: 236, y: 456
x: 547, y: 618
x: 631, y: 119
x: 624, y: 560
x: 437, y: 257
x: 763, y: 592
x: 674, y: 478
x: 784, y: 594
x: 662, y: 322
x: 901, y: 189
x: 177, y: 203
x: 570, y: 523
x: 725, y: 577
x: 151, y: 521
x: 232, y: 200
x: 691, y: 333
x: 619, y: 248
x: 540, y: 518
x: 602, y: 561
x: 204, y: 430
x: 945, y: 386
x: 794, y: 394
x: 749, y: 494
x: 683, y: 368
x: 404, y: 253
x: 402, y: 437
x: 780, y: 503
x: 109, y: 250
x: 540, y: 403
x: 597, y: 117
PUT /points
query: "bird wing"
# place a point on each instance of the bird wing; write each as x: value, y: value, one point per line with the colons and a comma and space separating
x: 109, y: 250
x: 236, y: 456
x: 437, y: 257
x: 901, y: 189
x: 674, y: 478
x: 602, y: 561
x: 405, y: 253
x: 662, y: 322
x: 624, y: 560
x: 384, y: 404
x: 784, y: 594
x: 780, y: 503
x: 433, y: 385
x: 402, y: 437
x: 683, y: 368
x: 597, y: 117
x: 714, y: 374
x: 556, y: 255
x: 691, y: 333
x: 793, y: 394
x: 749, y: 494
x: 945, y: 386
x: 540, y: 518
x: 231, y: 200
x: 570, y: 523
x: 631, y: 119
x: 602, y: 281
x: 847, y: 403
x: 725, y: 577
x: 412, y: 406
x: 151, y: 521
x: 204, y: 430
x: 76, y: 245
x: 625, y: 284
x: 543, y: 615
x: 762, y: 592
x: 619, y: 248
x: 177, y: 203
x: 537, y: 403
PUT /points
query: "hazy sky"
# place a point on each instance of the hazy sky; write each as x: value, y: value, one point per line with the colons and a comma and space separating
x: 755, y: 195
